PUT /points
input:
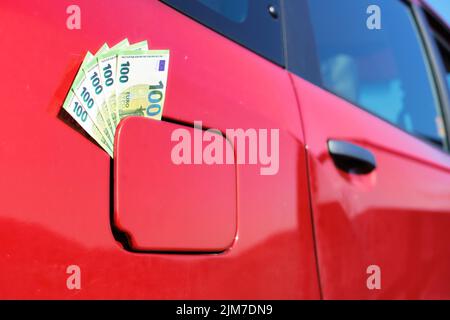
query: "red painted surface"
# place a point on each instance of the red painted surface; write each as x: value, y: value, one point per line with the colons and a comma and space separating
x: 55, y: 184
x: 56, y: 187
x: 202, y: 218
x: 396, y: 217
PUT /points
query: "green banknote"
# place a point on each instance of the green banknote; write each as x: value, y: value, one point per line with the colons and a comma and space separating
x: 126, y: 79
x: 142, y: 82
x: 106, y: 78
x: 107, y: 64
x: 75, y: 108
x: 87, y: 93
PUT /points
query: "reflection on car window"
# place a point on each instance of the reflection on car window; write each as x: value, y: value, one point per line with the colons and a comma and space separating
x: 235, y: 10
x: 382, y: 70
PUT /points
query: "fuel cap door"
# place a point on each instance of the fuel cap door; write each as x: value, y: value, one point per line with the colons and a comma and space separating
x: 162, y: 206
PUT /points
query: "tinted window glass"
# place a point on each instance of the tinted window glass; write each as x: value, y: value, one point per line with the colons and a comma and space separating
x: 247, y: 22
x: 382, y: 70
x: 235, y: 10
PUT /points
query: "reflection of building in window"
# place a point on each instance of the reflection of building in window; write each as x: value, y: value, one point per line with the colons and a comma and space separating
x: 340, y: 74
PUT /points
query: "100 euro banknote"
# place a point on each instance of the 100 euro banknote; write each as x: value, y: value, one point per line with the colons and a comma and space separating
x: 142, y: 82
x: 88, y: 89
x: 107, y: 65
x: 75, y: 108
x: 114, y: 83
x: 83, y: 111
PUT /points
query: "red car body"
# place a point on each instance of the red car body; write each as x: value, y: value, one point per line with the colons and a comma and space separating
x: 309, y: 232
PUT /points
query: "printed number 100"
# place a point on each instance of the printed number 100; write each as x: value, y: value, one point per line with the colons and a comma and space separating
x: 154, y: 98
x: 80, y: 113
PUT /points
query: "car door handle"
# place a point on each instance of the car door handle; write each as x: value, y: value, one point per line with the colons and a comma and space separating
x: 351, y: 158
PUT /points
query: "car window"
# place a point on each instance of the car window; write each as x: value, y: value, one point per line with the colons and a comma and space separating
x: 444, y: 50
x: 235, y: 10
x: 383, y: 69
x: 247, y: 22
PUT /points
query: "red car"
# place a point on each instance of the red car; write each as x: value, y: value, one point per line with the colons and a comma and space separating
x: 359, y: 206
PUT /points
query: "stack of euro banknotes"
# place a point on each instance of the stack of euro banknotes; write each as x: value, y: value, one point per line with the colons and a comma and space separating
x: 116, y: 82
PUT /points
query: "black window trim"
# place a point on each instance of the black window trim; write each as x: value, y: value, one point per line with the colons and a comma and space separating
x: 436, y: 65
x: 435, y: 61
x: 301, y: 54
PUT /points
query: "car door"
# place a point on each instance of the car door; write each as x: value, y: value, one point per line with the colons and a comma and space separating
x: 378, y: 158
x: 57, y: 208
